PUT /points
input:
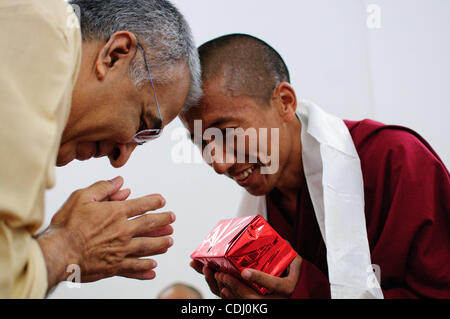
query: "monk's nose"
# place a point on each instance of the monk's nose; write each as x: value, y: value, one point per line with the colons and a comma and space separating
x: 221, y: 168
x: 218, y: 157
x: 223, y: 162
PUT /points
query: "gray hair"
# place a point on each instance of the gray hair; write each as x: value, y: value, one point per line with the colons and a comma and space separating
x: 159, y: 27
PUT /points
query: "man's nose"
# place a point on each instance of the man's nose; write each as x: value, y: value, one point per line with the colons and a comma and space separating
x: 121, y: 154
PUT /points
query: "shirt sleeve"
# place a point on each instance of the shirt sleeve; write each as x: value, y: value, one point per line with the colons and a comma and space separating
x: 37, y: 62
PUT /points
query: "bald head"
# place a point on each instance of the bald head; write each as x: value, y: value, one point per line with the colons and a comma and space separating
x: 247, y: 66
x: 180, y: 291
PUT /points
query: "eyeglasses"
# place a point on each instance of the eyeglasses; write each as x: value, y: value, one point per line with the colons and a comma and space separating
x: 144, y: 136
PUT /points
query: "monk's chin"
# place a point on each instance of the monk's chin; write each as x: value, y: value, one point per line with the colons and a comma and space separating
x: 259, y: 189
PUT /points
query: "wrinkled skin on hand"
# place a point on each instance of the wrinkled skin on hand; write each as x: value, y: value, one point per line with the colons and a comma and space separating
x: 106, y: 235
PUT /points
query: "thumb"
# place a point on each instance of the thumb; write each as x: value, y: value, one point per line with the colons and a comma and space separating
x: 101, y: 191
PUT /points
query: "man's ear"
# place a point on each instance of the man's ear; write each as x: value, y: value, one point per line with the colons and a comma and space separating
x: 118, y: 52
x: 285, y: 100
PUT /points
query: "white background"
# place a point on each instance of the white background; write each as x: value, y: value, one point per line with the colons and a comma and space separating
x: 398, y: 74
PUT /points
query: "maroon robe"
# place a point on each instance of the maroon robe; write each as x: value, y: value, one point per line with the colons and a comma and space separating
x: 407, y: 208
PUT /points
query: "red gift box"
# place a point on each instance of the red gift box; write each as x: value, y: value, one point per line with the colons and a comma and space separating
x: 248, y: 242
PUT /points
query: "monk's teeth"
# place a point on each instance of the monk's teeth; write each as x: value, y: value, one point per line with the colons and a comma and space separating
x: 245, y: 174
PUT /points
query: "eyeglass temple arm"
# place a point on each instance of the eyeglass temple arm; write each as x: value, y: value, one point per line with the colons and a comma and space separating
x: 151, y: 79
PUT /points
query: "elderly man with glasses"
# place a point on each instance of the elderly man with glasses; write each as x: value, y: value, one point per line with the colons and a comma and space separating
x: 71, y: 91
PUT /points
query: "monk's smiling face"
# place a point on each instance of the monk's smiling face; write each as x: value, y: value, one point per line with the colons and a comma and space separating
x: 220, y: 108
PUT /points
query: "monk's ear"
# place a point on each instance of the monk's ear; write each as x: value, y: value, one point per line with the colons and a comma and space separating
x: 117, y: 53
x: 285, y: 100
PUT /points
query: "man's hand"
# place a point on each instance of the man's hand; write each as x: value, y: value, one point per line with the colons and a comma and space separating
x: 106, y: 235
x: 229, y: 287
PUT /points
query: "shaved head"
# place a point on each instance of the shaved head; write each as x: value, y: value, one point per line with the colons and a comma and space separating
x: 247, y: 65
x: 180, y: 291
x: 246, y: 89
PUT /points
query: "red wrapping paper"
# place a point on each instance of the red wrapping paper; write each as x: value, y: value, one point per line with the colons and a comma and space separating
x: 248, y: 242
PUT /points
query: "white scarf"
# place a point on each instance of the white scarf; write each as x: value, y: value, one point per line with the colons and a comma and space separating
x: 333, y: 174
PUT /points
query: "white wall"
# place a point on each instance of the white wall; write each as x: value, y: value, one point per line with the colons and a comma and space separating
x: 397, y: 74
x: 410, y: 68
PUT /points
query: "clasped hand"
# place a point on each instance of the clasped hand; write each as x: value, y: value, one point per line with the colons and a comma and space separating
x: 106, y: 235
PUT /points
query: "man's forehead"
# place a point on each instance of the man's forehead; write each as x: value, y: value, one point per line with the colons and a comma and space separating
x: 172, y: 94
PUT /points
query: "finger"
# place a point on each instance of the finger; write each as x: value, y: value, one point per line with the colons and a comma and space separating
x: 150, y: 222
x: 158, y: 252
x: 121, y: 195
x: 160, y: 232
x: 139, y: 206
x: 226, y: 293
x: 146, y: 275
x: 198, y: 266
x: 143, y: 247
x: 218, y: 277
x: 135, y: 265
x: 265, y: 280
x: 101, y: 190
x: 238, y: 288
x: 209, y: 276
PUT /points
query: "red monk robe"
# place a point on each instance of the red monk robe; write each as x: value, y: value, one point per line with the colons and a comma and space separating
x: 407, y: 208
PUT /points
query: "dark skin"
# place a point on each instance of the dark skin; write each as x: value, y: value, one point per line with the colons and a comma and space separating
x: 223, y: 109
x: 93, y: 228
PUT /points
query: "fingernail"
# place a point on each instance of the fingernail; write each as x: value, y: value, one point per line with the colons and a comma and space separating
x: 246, y: 274
x: 170, y: 241
x: 155, y: 264
x: 163, y: 200
x: 116, y: 180
x: 149, y: 274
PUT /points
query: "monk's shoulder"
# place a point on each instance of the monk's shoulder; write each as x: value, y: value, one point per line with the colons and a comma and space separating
x: 375, y: 142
